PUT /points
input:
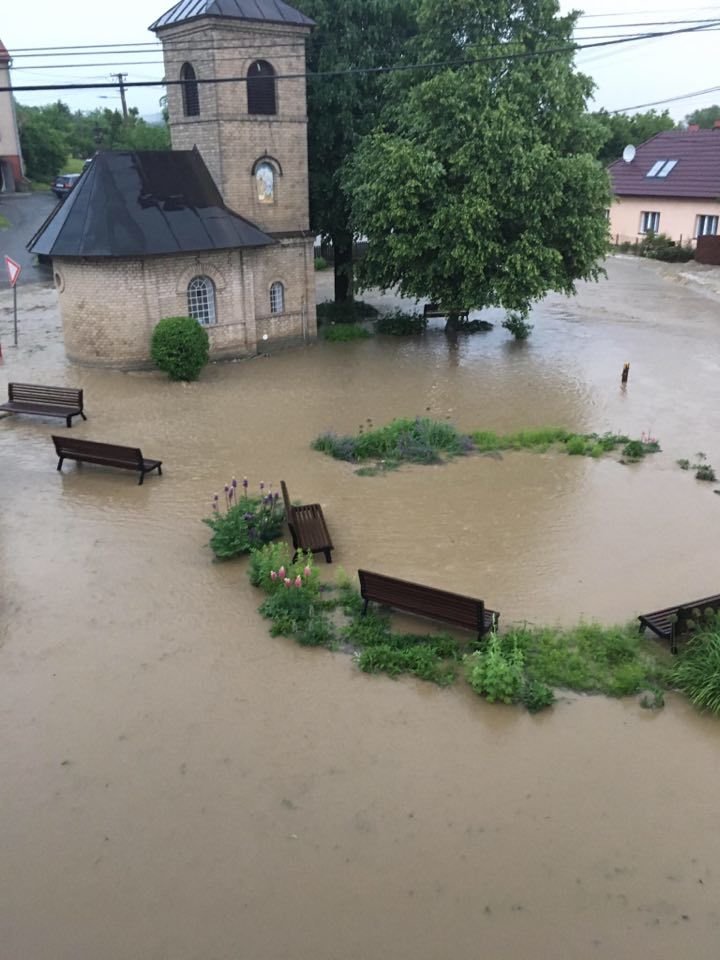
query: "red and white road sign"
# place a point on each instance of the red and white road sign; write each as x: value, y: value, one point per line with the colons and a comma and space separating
x: 14, y: 269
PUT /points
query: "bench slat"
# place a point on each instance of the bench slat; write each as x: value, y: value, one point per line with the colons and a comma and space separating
x: 671, y: 622
x: 39, y: 400
x: 104, y: 454
x: 307, y: 526
x: 431, y: 602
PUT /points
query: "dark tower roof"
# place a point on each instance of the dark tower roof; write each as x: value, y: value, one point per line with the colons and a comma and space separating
x: 267, y: 11
x: 130, y: 204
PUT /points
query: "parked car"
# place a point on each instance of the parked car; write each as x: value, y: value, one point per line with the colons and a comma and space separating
x: 62, y: 185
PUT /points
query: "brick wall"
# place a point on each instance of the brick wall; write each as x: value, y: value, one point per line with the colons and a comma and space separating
x: 110, y: 307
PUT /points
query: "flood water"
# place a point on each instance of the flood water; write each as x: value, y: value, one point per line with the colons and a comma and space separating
x: 175, y: 784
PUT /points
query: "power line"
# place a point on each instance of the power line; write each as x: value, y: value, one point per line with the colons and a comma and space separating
x: 359, y: 71
x: 660, y: 103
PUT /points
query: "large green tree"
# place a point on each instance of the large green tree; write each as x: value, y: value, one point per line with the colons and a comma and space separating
x: 624, y: 128
x: 341, y: 109
x: 482, y: 187
x: 44, y: 143
x: 704, y: 117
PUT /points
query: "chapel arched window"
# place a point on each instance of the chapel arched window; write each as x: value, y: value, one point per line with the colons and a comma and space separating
x: 265, y: 182
x: 277, y: 298
x: 261, y: 88
x: 190, y: 91
x: 201, y: 300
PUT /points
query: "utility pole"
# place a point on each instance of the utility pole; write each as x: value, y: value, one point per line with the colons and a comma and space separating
x: 120, y: 78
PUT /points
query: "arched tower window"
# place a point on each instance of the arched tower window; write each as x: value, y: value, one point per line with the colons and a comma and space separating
x: 190, y: 91
x: 265, y: 182
x: 261, y: 88
x: 201, y: 300
x: 277, y: 298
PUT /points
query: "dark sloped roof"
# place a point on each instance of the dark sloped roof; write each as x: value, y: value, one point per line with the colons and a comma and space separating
x: 4, y: 55
x: 269, y: 11
x: 696, y: 173
x: 130, y: 204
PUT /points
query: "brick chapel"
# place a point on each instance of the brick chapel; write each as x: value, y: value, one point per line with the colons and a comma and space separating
x: 217, y: 227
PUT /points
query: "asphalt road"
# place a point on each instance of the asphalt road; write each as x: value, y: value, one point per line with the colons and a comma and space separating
x: 26, y: 212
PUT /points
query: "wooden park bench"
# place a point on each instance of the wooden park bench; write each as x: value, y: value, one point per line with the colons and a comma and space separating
x: 307, y: 527
x: 430, y: 602
x: 673, y: 622
x: 64, y: 402
x: 104, y: 454
x: 437, y: 310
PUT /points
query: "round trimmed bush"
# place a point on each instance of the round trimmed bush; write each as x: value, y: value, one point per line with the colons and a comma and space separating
x: 180, y: 347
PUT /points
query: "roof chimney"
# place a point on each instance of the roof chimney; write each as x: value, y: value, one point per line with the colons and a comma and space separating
x: 693, y: 127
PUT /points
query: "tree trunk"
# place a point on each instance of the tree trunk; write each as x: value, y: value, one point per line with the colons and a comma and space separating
x: 452, y: 324
x: 343, y: 250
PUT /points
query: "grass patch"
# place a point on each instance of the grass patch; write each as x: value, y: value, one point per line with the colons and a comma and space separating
x: 343, y: 332
x: 423, y: 440
x: 4, y: 222
x: 39, y: 186
x: 73, y: 165
x: 703, y: 469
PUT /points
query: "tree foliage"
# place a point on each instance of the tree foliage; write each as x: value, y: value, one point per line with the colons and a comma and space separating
x: 349, y: 34
x: 704, y: 117
x: 180, y: 347
x: 52, y: 133
x: 481, y: 187
x: 624, y: 128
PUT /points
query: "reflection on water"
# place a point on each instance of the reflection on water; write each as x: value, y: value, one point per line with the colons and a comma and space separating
x: 178, y: 784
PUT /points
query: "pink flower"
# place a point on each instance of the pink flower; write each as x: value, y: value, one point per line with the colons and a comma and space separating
x: 281, y: 572
x: 307, y: 571
x: 273, y: 575
x: 287, y: 581
x: 298, y: 581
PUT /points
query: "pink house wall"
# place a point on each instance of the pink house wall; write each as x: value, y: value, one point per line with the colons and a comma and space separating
x: 678, y: 218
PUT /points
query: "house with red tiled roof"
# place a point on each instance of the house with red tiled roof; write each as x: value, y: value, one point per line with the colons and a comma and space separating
x: 11, y: 168
x: 670, y: 184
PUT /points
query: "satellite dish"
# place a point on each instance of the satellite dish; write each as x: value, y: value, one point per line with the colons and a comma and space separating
x: 629, y: 153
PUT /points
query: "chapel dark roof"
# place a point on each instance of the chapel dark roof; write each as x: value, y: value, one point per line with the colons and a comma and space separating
x: 130, y: 204
x: 696, y: 173
x: 268, y: 11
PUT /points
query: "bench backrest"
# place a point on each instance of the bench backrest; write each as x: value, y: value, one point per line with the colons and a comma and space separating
x: 289, y: 510
x: 426, y: 601
x: 695, y: 613
x: 36, y: 393
x: 94, y: 452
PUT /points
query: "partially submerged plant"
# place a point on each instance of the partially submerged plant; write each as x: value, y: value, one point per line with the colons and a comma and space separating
x: 241, y: 521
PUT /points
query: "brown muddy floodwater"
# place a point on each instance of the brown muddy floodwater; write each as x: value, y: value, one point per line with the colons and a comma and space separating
x: 175, y: 784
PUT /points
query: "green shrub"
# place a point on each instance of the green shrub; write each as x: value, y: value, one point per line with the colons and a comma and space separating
x: 697, y: 673
x: 399, y: 323
x: 634, y: 450
x: 342, y: 333
x: 661, y: 247
x: 420, y: 661
x: 241, y: 522
x: 180, y: 347
x: 421, y: 440
x: 347, y: 311
x: 496, y: 673
x: 576, y: 445
x: 518, y: 326
x: 321, y: 263
x: 536, y: 696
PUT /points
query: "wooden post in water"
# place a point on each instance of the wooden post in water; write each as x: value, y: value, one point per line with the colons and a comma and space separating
x: 625, y: 373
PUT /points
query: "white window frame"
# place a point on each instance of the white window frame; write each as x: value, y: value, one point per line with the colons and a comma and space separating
x: 201, y: 301
x: 706, y: 225
x: 277, y: 297
x: 667, y: 168
x: 649, y: 221
x: 656, y: 168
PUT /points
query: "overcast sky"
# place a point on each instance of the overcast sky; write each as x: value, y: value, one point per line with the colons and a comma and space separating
x: 627, y: 75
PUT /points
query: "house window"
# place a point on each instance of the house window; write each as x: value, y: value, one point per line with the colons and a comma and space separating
x: 649, y: 221
x: 277, y: 298
x: 201, y: 300
x: 265, y: 181
x: 661, y: 168
x: 190, y: 92
x: 261, y: 88
x: 706, y: 225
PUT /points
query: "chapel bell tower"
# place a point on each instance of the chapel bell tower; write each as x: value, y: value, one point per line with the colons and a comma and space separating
x: 251, y: 128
